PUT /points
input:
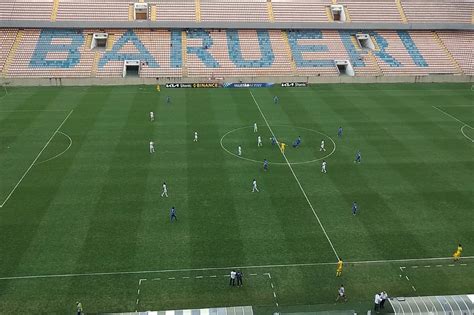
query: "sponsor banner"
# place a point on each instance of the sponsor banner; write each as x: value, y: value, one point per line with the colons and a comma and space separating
x: 294, y: 84
x: 191, y: 85
x: 247, y: 85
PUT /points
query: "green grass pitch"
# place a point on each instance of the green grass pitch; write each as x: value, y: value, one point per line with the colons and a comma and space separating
x: 80, y: 196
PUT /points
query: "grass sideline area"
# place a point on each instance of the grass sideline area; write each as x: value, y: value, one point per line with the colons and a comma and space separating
x: 81, y: 206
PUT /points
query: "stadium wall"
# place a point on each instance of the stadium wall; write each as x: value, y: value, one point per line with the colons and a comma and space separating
x: 308, y: 79
x: 237, y: 25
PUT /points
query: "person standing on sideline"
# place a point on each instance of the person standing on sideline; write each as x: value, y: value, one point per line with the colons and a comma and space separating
x: 340, y: 265
x: 355, y: 207
x: 165, y: 190
x: 233, y: 274
x: 383, y: 297
x: 339, y: 132
x: 323, y: 167
x: 239, y: 150
x: 254, y: 185
x: 321, y: 148
x: 79, y: 308
x: 152, y: 147
x: 255, y: 129
x: 239, y: 276
x: 152, y: 116
x: 173, y: 214
x: 341, y: 294
x: 195, y: 136
x: 259, y: 142
x: 265, y: 165
x: 377, y: 300
x: 357, y: 158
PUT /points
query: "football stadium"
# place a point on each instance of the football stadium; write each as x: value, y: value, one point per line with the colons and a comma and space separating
x: 305, y: 157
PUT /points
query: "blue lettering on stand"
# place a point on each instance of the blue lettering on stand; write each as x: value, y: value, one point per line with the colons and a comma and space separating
x: 45, y: 45
x: 382, y: 54
x: 355, y: 55
x: 176, y: 55
x: 412, y: 49
x: 202, y: 52
x: 235, y: 52
x: 297, y: 49
x: 142, y: 55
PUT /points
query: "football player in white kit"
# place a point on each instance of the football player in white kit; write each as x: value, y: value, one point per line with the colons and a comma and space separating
x: 239, y: 150
x: 255, y: 129
x: 195, y: 136
x: 259, y: 142
x: 322, y: 146
x: 165, y: 190
x: 323, y: 167
x: 254, y: 185
x: 152, y: 116
x: 152, y: 147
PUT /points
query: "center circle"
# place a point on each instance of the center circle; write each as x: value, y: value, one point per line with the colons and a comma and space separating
x: 307, y: 152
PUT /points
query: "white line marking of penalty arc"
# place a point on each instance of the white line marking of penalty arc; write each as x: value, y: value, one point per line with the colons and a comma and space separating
x: 59, y: 154
x: 296, y: 178
x: 280, y: 163
x: 465, y: 135
x: 118, y: 273
x: 36, y: 159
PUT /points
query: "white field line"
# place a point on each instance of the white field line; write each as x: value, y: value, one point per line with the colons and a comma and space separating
x: 34, y: 161
x: 465, y: 135
x: 296, y: 178
x: 59, y: 154
x: 116, y: 273
x: 33, y: 110
x: 447, y: 114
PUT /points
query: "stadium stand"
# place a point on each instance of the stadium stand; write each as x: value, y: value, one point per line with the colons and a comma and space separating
x: 36, y: 10
x: 301, y: 10
x: 234, y: 10
x: 461, y: 47
x: 7, y: 38
x: 171, y: 10
x: 460, y: 11
x: 92, y: 10
x: 227, y: 53
x: 372, y: 10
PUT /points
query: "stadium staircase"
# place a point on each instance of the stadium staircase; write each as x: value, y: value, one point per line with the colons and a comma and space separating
x: 184, y: 46
x: 130, y: 12
x: 401, y: 11
x: 271, y: 17
x: 197, y: 4
x: 153, y: 12
x: 88, y: 43
x: 448, y: 53
x: 370, y: 55
x: 348, y: 16
x: 54, y: 11
x: 290, y: 54
x: 95, y: 65
x: 329, y: 14
x: 110, y: 42
x: 12, y: 53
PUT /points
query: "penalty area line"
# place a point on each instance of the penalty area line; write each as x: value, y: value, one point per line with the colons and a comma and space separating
x: 36, y: 159
x: 296, y: 178
x: 118, y: 273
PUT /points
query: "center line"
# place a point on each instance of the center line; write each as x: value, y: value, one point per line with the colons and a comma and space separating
x: 296, y: 178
